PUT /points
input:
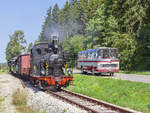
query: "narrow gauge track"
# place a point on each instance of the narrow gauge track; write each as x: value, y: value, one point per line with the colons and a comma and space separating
x: 89, y: 104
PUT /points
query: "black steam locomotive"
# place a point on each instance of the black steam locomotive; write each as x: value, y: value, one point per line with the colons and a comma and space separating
x: 45, y: 66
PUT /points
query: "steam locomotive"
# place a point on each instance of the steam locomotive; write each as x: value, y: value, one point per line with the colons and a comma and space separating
x: 45, y: 67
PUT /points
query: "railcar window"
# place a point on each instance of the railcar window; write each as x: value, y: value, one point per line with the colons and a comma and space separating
x: 99, y: 53
x: 105, y: 53
x: 114, y: 53
x: 95, y: 55
x: 89, y: 55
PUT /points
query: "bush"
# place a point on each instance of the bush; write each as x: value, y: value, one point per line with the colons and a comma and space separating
x: 19, y: 97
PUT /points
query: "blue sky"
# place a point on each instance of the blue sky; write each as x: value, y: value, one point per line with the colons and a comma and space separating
x: 26, y: 15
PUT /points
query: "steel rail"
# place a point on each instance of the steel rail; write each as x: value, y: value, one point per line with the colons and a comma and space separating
x: 99, y: 102
x: 73, y: 102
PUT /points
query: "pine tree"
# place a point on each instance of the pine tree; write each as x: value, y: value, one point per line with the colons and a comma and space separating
x: 48, y: 20
x: 55, y: 12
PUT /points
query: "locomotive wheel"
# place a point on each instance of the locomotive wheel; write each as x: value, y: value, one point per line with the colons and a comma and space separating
x: 58, y: 88
x: 111, y: 74
x: 82, y: 71
x: 32, y: 82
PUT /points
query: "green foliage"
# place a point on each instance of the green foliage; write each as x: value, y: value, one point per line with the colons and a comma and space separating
x: 113, y: 23
x: 142, y: 53
x: 55, y: 12
x: 16, y: 45
x: 72, y: 46
x: 64, y: 14
x: 29, y: 47
x: 126, y: 45
x: 133, y: 95
x: 48, y: 20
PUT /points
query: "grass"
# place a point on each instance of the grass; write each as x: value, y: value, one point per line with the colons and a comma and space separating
x: 20, y: 101
x: 136, y: 72
x: 1, y: 106
x: 1, y: 100
x: 3, y: 71
x: 133, y: 95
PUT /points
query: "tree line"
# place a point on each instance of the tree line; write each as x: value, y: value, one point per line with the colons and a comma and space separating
x: 87, y: 24
x: 123, y: 24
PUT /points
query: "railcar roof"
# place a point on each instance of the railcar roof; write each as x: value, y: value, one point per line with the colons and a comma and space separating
x: 23, y: 55
x: 94, y: 50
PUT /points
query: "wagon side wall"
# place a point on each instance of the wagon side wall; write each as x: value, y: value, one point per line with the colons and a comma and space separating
x: 24, y: 65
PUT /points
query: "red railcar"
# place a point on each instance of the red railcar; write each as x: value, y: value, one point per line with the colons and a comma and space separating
x: 24, y: 65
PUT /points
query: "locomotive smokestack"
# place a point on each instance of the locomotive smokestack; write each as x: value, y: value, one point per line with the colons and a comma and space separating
x: 55, y: 41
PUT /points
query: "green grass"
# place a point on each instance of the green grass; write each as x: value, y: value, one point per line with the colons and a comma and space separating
x: 136, y: 72
x: 1, y: 106
x: 3, y: 71
x: 133, y: 95
x: 1, y: 100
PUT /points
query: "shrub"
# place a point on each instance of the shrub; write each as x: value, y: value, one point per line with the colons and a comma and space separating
x: 19, y: 97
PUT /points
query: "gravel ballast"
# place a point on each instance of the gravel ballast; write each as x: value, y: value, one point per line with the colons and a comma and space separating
x: 46, y: 102
x: 36, y: 99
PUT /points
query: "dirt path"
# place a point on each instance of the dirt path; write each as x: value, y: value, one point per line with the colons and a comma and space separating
x: 8, y: 85
x: 132, y: 77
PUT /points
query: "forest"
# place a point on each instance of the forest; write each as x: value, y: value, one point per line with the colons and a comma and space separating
x: 88, y: 24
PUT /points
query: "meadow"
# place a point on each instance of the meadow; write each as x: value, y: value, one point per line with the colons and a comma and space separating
x: 134, y: 95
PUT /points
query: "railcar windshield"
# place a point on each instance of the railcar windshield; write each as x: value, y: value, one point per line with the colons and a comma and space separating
x: 108, y: 53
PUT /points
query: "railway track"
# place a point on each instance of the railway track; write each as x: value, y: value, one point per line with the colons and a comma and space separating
x: 89, y: 104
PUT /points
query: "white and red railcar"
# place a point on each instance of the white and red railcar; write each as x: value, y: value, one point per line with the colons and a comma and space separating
x: 100, y: 60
